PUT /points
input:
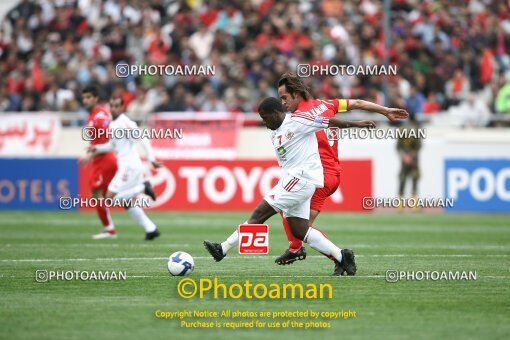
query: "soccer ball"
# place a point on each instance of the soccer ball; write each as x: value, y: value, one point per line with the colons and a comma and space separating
x: 180, y: 264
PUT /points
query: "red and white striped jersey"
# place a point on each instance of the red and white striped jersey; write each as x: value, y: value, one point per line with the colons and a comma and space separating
x: 328, y: 150
x: 296, y: 147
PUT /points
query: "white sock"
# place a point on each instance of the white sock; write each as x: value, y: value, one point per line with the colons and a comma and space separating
x: 319, y: 242
x: 110, y: 226
x: 231, y: 241
x: 141, y: 218
x: 127, y: 194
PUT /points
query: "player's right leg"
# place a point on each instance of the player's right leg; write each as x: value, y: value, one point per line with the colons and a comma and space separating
x: 145, y: 188
x: 297, y: 215
x: 101, y: 176
x: 99, y: 180
x: 261, y: 214
x: 126, y: 185
x: 415, y: 176
x: 105, y: 217
x: 343, y: 258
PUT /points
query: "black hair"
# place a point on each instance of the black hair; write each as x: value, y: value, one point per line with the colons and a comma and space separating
x: 271, y: 104
x: 92, y: 90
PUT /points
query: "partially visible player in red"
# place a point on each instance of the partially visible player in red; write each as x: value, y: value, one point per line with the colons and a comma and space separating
x: 296, y: 99
x: 104, y: 166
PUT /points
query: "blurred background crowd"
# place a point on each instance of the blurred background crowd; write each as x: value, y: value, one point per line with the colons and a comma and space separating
x: 451, y: 55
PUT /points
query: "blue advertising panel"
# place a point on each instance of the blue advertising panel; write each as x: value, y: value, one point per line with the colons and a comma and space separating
x: 478, y: 185
x: 36, y: 184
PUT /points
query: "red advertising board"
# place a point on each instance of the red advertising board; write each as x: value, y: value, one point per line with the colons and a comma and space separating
x: 29, y: 134
x: 196, y: 135
x: 239, y: 185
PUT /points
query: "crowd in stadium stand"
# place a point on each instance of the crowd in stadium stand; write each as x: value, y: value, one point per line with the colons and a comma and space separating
x: 448, y: 53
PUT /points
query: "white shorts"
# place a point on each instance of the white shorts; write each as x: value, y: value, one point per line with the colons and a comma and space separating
x: 292, y: 196
x: 126, y: 178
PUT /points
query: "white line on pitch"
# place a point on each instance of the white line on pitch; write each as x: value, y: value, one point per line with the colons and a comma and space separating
x: 100, y: 244
x: 292, y: 276
x: 250, y: 257
x: 421, y: 247
x: 264, y: 276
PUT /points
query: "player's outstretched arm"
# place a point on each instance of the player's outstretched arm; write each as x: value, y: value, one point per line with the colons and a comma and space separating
x: 344, y: 124
x: 149, y: 152
x: 85, y: 159
x: 393, y: 114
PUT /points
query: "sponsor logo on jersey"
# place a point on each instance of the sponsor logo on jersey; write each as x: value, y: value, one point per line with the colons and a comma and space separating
x: 282, y: 151
x: 289, y: 134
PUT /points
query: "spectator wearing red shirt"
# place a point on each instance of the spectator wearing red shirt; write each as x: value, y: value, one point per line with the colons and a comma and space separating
x: 431, y: 105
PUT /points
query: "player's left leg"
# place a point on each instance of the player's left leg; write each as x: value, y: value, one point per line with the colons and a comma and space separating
x: 277, y: 200
x: 105, y: 217
x: 415, y: 176
x: 138, y: 214
x: 404, y: 173
x: 296, y: 250
x: 261, y: 214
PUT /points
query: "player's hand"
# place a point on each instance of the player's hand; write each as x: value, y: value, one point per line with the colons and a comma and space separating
x: 83, y: 160
x: 367, y: 124
x: 394, y: 114
x: 157, y: 164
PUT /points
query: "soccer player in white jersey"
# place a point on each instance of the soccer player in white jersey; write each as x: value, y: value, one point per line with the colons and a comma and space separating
x: 296, y: 147
x: 128, y: 181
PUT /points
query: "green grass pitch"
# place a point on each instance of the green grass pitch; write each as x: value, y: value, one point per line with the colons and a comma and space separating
x: 31, y: 241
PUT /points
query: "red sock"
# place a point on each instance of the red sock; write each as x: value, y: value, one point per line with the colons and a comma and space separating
x: 294, y: 243
x: 104, y: 216
x: 326, y: 236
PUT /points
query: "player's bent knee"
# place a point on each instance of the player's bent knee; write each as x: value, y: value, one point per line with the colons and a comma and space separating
x: 261, y: 213
x: 299, y: 234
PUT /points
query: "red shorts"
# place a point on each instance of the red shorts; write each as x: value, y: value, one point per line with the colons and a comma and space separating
x: 331, y: 183
x: 103, y: 170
